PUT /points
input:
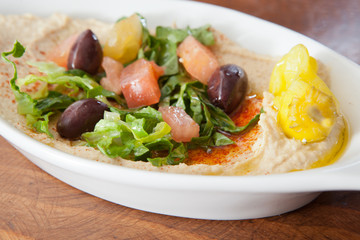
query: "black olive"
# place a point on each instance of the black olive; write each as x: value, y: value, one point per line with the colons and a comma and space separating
x: 80, y: 117
x: 227, y: 87
x: 86, y: 53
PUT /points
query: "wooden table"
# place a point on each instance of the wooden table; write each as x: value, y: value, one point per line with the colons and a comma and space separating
x: 34, y: 205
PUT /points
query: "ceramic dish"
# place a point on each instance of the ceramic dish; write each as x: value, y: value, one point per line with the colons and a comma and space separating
x: 206, y: 197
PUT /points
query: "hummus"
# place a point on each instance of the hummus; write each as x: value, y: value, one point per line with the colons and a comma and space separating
x: 270, y: 150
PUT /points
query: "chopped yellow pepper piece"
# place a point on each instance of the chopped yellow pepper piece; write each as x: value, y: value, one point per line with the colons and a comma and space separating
x: 307, y: 109
x: 124, y: 40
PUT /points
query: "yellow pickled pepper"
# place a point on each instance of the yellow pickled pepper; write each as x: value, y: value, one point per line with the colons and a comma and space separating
x: 307, y: 109
x: 124, y: 40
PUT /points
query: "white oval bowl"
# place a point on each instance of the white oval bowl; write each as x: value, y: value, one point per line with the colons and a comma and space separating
x: 195, y: 196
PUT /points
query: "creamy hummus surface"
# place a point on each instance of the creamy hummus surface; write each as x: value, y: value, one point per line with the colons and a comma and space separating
x: 270, y: 152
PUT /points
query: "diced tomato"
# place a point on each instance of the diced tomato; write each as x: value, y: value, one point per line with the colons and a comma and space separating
x: 183, y: 127
x: 113, y: 71
x: 158, y: 71
x: 139, y: 83
x: 60, y: 53
x: 197, y: 59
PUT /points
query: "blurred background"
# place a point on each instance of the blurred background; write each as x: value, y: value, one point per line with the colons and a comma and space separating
x: 334, y: 23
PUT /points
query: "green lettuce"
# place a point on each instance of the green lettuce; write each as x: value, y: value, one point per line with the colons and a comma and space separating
x: 38, y: 107
x: 138, y: 136
x: 36, y: 111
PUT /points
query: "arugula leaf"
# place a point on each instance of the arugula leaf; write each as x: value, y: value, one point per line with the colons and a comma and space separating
x: 221, y: 140
x: 172, y: 34
x: 222, y: 121
x: 202, y: 34
x: 167, y: 57
x: 169, y: 86
x: 195, y: 106
x: 192, y: 96
x: 161, y: 48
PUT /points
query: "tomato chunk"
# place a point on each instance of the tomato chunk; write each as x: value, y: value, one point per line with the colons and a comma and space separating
x: 183, y: 127
x: 60, y: 53
x: 113, y: 71
x: 197, y: 59
x: 139, y: 83
x: 158, y: 71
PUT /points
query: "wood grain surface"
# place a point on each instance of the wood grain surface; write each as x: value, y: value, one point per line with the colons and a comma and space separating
x: 34, y: 205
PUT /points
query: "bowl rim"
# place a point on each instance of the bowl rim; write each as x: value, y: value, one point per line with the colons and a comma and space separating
x: 295, y: 181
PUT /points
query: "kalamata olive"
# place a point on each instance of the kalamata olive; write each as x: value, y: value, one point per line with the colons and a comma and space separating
x: 86, y: 53
x: 80, y: 117
x: 227, y: 87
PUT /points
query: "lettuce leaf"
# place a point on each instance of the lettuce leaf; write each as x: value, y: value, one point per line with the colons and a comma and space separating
x: 26, y: 105
x: 39, y: 107
x: 142, y: 134
x: 136, y: 134
x: 177, y: 155
x: 37, y: 112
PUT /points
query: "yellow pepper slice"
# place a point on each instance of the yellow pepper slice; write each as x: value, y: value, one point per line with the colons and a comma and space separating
x: 124, y: 40
x: 307, y: 109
